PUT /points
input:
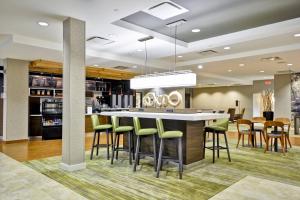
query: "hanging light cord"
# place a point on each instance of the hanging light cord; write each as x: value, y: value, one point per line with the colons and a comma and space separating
x: 175, y: 42
x: 146, y: 57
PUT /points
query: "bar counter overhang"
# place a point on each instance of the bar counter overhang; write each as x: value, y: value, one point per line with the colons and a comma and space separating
x: 192, y: 126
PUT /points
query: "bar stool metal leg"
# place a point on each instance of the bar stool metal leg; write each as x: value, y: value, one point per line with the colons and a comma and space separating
x: 218, y: 145
x: 204, y: 144
x: 161, y: 149
x: 107, y: 143
x: 213, y: 147
x: 113, y: 149
x: 129, y: 147
x: 180, y: 157
x: 117, y: 150
x: 227, y: 147
x: 98, y: 142
x: 154, y: 152
x: 93, y: 145
x: 137, y: 152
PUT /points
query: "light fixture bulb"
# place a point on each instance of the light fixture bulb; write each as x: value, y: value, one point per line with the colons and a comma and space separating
x: 227, y: 48
x: 43, y: 23
x: 200, y: 66
x: 196, y: 30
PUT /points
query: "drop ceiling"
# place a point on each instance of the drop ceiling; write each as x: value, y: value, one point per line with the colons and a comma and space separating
x: 218, y: 17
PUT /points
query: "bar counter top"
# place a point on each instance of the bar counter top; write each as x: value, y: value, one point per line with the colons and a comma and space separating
x: 170, y: 116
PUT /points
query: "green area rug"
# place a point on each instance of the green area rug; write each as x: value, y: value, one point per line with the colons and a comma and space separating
x: 101, y: 180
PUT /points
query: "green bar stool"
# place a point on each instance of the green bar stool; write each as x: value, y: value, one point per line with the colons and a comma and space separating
x: 163, y: 135
x: 219, y: 127
x: 119, y: 130
x: 142, y: 133
x: 98, y: 128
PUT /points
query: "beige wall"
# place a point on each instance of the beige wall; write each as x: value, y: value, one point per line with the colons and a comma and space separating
x: 282, y: 92
x: 15, y: 114
x: 222, y: 98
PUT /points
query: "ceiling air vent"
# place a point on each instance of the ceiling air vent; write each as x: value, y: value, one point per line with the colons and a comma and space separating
x: 121, y: 67
x: 285, y: 72
x: 208, y: 53
x: 271, y: 59
x: 98, y: 41
x: 166, y: 10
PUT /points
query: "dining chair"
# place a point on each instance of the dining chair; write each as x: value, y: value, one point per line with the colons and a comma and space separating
x: 287, y: 123
x: 269, y: 127
x: 231, y: 112
x: 244, y: 127
x: 260, y: 130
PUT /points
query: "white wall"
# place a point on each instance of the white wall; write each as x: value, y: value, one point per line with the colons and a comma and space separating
x: 15, y: 114
x: 222, y: 98
x: 282, y: 92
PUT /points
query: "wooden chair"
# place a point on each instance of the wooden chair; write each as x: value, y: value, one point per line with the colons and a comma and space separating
x: 286, y: 122
x: 243, y: 132
x: 277, y: 135
x: 240, y: 115
x: 255, y: 129
x: 231, y: 112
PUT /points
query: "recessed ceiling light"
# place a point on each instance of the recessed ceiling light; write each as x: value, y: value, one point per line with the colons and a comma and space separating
x: 43, y: 23
x: 230, y: 70
x: 196, y: 30
x: 227, y: 48
x: 261, y: 71
x: 96, y: 65
x: 241, y: 65
x: 179, y: 56
x: 290, y: 64
x: 297, y: 35
x: 200, y: 66
x: 139, y: 50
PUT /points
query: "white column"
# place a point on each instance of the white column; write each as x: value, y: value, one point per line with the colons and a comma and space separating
x: 73, y: 140
x: 15, y: 104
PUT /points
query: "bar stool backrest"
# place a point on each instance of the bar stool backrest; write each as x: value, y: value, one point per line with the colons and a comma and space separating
x: 222, y: 123
x: 245, y: 122
x: 137, y: 124
x: 114, y: 122
x: 160, y: 127
x: 95, y: 121
x: 273, y: 124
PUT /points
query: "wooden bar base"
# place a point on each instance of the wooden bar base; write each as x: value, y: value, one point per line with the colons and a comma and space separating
x: 192, y: 141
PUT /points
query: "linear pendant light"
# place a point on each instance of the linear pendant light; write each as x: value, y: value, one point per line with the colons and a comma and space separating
x: 171, y: 79
x: 183, y: 78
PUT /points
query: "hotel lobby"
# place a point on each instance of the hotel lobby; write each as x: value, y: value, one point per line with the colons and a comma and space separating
x: 137, y: 99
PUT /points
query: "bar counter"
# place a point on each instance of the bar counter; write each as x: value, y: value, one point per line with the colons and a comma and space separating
x: 191, y: 125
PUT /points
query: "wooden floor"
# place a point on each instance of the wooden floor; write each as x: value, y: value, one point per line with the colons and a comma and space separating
x: 37, y: 148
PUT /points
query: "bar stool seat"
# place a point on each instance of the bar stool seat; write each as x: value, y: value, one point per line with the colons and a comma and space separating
x: 119, y: 130
x: 146, y: 131
x: 142, y: 133
x: 123, y: 129
x: 172, y: 134
x: 102, y: 127
x: 98, y: 128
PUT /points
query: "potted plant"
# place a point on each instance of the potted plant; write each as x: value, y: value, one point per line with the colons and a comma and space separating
x: 267, y: 100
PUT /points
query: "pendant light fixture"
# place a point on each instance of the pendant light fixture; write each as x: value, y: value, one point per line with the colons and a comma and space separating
x: 182, y: 78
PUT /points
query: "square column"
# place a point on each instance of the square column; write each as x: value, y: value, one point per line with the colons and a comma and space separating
x: 73, y: 137
x: 15, y: 102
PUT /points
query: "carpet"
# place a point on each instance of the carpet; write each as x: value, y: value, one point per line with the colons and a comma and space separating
x: 202, y: 180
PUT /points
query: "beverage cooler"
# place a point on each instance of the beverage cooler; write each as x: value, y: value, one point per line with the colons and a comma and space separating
x: 52, y: 119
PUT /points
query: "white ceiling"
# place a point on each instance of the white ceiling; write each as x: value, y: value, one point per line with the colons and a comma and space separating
x: 22, y: 38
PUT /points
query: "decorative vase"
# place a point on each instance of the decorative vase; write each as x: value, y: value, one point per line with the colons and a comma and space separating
x: 269, y: 115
